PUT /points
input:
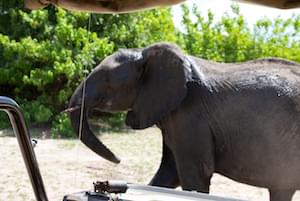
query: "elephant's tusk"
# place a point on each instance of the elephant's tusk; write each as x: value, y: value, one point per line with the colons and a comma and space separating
x: 72, y: 109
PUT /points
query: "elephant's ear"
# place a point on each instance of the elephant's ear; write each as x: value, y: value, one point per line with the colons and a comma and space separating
x: 162, y: 87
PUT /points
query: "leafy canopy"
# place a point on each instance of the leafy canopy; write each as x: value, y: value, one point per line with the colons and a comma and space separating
x: 45, y: 54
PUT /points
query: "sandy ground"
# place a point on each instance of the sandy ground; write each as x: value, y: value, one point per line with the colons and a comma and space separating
x: 67, y: 166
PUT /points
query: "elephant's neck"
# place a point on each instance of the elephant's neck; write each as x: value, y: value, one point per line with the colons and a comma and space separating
x: 197, y: 75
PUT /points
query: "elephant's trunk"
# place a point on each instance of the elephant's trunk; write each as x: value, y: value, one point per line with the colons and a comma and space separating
x: 87, y: 136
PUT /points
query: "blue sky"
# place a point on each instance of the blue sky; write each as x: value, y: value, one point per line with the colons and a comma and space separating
x: 251, y: 12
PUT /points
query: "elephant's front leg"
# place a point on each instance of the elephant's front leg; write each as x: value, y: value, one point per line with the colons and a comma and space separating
x: 281, y: 195
x: 194, y: 176
x: 166, y: 176
x: 194, y: 156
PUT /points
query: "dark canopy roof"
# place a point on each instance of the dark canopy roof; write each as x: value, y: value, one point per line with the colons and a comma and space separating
x: 119, y: 6
x: 283, y: 4
x: 102, y: 6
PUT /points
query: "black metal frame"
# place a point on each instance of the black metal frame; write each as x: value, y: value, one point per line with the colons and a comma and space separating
x: 17, y: 121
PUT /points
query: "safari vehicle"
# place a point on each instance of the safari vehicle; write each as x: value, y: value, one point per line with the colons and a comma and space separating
x: 103, y: 190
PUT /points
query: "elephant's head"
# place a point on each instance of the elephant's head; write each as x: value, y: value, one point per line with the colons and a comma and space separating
x: 147, y: 83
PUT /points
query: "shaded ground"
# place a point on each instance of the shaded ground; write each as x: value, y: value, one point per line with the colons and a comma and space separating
x: 67, y: 166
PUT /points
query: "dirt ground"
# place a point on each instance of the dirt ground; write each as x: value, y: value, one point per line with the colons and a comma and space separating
x: 68, y: 166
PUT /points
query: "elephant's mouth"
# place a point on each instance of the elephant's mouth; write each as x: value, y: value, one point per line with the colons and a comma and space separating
x: 109, y: 106
x: 101, y: 113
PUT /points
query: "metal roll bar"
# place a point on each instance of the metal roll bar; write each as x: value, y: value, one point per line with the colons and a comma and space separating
x: 17, y: 121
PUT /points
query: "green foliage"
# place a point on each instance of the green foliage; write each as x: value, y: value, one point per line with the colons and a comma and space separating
x: 4, y: 120
x: 61, y: 127
x: 42, y: 67
x: 232, y: 40
x: 35, y: 111
x: 45, y: 54
x: 115, y: 122
x: 135, y: 30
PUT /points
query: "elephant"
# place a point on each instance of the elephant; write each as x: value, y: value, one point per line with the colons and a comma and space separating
x: 241, y: 120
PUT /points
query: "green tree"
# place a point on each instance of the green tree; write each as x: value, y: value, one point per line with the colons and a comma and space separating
x: 232, y: 40
x: 46, y: 53
x: 41, y: 65
x: 135, y: 30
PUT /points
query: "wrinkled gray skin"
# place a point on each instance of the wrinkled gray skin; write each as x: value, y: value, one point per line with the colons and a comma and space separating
x: 239, y: 120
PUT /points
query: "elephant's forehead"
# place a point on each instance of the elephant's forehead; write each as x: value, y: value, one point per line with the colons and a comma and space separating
x: 109, y: 62
x: 120, y: 58
x: 126, y: 55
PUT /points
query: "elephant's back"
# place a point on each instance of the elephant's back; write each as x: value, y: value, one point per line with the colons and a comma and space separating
x: 280, y: 74
x: 266, y: 65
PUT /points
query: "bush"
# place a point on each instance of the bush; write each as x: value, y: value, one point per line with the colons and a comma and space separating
x: 61, y: 127
x: 45, y: 54
x: 232, y: 40
x: 42, y: 68
x: 115, y: 122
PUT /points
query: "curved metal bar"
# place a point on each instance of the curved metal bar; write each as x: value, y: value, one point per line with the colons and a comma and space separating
x: 17, y: 121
